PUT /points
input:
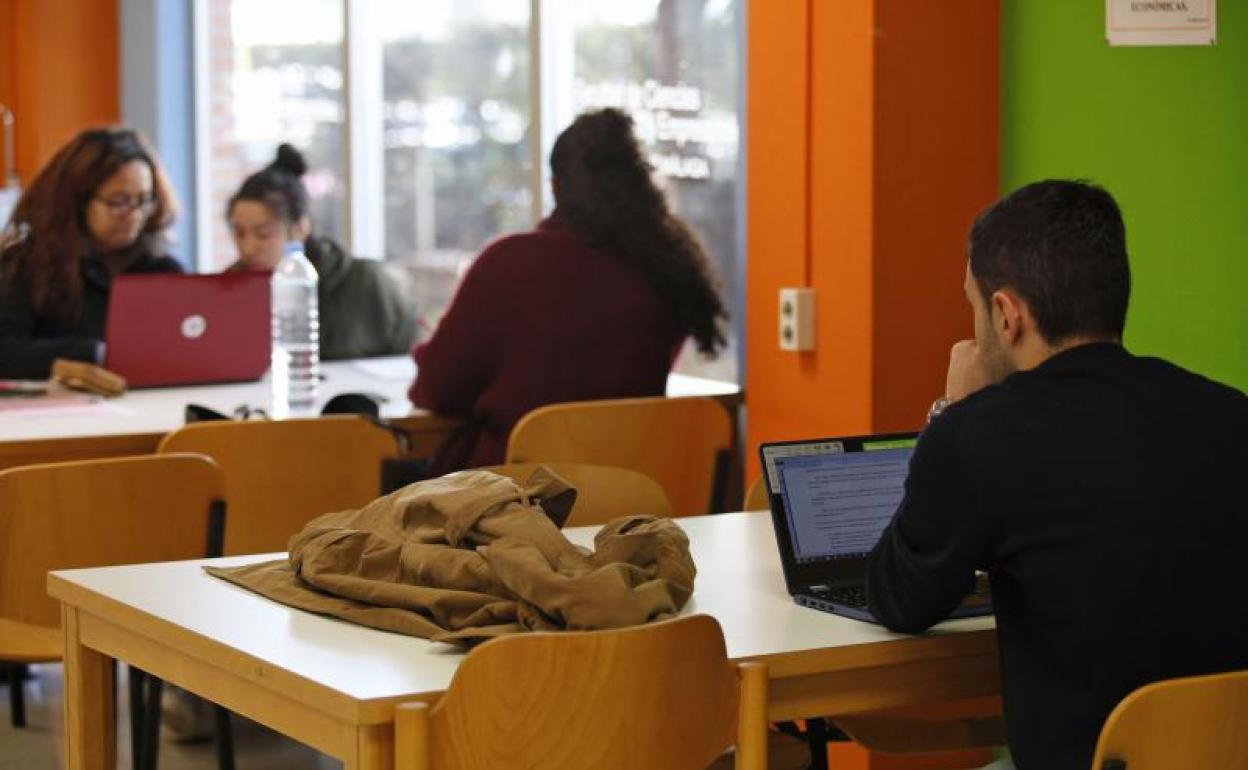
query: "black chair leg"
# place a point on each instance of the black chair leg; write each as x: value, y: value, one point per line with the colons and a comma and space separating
x: 150, y: 739
x: 817, y: 739
x: 137, y: 680
x: 145, y: 715
x: 225, y: 739
x: 16, y: 675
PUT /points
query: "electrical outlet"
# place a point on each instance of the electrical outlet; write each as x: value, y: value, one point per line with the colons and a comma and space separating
x: 797, y: 319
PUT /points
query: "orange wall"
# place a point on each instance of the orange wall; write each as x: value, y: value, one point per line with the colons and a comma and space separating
x: 872, y: 142
x: 936, y: 166
x: 59, y: 63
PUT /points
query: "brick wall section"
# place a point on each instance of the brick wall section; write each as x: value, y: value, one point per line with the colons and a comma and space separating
x: 228, y: 168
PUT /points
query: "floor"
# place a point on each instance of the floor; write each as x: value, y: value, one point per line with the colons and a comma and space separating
x: 38, y: 745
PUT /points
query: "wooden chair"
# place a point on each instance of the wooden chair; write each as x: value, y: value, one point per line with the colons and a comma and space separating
x: 682, y: 443
x: 1192, y: 722
x: 96, y: 513
x: 756, y: 496
x: 662, y: 697
x: 282, y: 473
x: 602, y: 492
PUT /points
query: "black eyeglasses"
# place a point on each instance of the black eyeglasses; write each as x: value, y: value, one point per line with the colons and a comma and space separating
x: 121, y: 205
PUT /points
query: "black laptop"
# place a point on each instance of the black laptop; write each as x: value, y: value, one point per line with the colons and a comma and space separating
x: 830, y: 501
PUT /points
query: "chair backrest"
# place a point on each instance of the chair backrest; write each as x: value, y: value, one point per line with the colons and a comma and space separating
x: 96, y: 513
x: 675, y: 441
x: 756, y: 496
x: 1194, y: 722
x: 602, y: 492
x: 282, y: 473
x: 661, y: 696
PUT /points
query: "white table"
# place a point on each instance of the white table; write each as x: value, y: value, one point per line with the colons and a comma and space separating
x: 135, y: 422
x: 334, y: 685
x: 160, y: 410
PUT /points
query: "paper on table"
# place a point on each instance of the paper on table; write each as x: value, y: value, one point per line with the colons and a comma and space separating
x: 23, y: 388
x: 391, y: 368
x: 70, y: 405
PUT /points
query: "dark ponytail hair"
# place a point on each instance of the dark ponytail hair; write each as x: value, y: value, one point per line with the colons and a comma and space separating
x: 278, y: 185
x: 604, y: 191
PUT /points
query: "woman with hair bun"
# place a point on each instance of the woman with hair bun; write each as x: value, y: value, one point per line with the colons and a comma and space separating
x: 363, y: 308
x: 594, y: 303
x: 98, y: 209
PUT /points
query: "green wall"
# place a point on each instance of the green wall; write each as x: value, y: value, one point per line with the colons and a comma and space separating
x: 1166, y: 131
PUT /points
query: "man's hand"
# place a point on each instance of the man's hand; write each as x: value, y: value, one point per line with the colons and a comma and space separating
x: 967, y: 371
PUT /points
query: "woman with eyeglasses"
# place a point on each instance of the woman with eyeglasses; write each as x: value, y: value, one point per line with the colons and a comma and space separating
x: 98, y: 209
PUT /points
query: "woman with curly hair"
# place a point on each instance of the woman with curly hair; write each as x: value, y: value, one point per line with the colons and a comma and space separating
x: 594, y: 303
x: 98, y: 209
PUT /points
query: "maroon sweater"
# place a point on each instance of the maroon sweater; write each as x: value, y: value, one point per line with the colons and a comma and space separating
x: 541, y: 318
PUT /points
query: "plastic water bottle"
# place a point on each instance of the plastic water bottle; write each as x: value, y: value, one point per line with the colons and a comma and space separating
x: 296, y: 334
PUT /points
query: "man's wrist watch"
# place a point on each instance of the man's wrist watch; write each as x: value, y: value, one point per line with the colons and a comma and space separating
x: 938, y: 406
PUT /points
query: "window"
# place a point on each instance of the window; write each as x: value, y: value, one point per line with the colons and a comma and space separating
x: 420, y: 119
x: 275, y: 75
x: 455, y: 86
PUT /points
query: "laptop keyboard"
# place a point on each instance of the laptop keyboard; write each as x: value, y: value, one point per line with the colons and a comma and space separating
x: 850, y: 596
x: 851, y: 601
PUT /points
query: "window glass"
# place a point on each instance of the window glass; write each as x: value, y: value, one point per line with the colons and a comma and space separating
x: 457, y: 165
x: 453, y: 105
x: 672, y: 64
x: 275, y: 75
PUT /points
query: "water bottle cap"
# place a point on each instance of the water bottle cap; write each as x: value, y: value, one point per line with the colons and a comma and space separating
x: 292, y: 247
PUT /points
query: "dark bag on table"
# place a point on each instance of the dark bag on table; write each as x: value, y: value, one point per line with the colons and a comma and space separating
x: 396, y: 472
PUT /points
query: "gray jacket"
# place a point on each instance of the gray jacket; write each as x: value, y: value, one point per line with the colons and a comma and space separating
x: 365, y: 310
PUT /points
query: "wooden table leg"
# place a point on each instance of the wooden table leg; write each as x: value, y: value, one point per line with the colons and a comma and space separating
x: 90, y: 741
x: 374, y: 746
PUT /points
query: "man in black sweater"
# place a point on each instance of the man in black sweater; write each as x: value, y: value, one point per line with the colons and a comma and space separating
x: 1104, y: 493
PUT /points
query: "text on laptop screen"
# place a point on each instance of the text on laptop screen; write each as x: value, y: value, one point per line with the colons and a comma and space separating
x: 838, y: 504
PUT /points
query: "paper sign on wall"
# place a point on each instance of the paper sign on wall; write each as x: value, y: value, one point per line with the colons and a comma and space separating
x: 1161, y: 22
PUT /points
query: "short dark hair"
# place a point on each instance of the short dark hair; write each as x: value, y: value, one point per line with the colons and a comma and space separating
x: 1062, y: 246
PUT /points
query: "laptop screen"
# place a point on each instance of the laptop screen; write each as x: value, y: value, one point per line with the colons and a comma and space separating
x: 837, y: 499
x: 173, y: 329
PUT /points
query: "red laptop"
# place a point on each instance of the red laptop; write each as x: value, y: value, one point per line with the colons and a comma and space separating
x: 170, y: 329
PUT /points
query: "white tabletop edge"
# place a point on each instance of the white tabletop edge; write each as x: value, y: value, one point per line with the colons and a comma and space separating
x: 161, y: 410
x: 739, y: 583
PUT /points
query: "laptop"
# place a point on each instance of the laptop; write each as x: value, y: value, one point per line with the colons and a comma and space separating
x: 172, y: 329
x: 830, y: 500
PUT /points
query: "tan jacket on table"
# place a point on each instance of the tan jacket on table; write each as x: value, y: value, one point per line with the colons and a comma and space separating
x: 470, y: 556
